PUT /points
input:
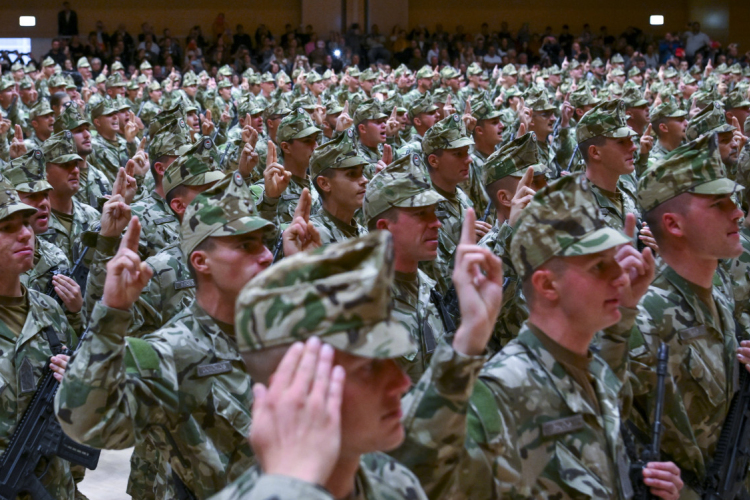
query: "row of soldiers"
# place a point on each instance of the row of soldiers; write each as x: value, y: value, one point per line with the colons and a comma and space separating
x: 505, y: 255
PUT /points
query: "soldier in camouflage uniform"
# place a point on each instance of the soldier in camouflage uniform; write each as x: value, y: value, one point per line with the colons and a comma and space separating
x: 94, y: 185
x: 669, y: 123
x: 555, y: 154
x: 542, y: 418
x: 25, y: 314
x: 337, y: 173
x: 422, y: 115
x: 686, y: 309
x: 183, y: 387
x: 424, y: 77
x: 151, y: 107
x: 356, y: 325
x: 487, y: 135
x: 110, y: 151
x: 369, y: 122
x: 41, y: 119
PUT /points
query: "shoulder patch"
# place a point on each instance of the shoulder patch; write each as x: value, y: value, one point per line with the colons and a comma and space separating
x: 415, y: 160
x: 238, y: 180
x: 144, y: 355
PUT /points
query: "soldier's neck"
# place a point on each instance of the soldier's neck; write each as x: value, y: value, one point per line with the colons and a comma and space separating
x: 10, y: 285
x: 688, y: 265
x: 559, y: 327
x: 297, y: 170
x: 342, y: 213
x: 62, y: 204
x: 483, y: 146
x: 341, y: 482
x: 670, y: 143
x: 216, y: 303
x: 602, y: 177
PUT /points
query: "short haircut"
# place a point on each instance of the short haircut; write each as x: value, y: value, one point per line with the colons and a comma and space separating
x: 391, y: 214
x: 152, y: 161
x: 677, y: 205
x: 328, y: 174
x: 655, y: 125
x: 56, y: 98
x: 583, y: 147
x: 556, y: 264
x: 499, y: 185
x: 206, y: 246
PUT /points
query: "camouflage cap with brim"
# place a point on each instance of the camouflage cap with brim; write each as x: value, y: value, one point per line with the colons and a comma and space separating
x: 333, y: 107
x: 10, y: 203
x: 634, y: 71
x: 394, y: 100
x: 250, y: 106
x: 28, y: 173
x: 448, y: 133
x: 83, y: 63
x: 670, y: 72
x: 402, y: 184
x: 562, y: 220
x: 687, y: 79
x: 340, y: 152
x: 224, y: 84
x: 42, y: 108
x: 425, y: 72
x: 282, y: 77
x: 145, y: 65
x: 633, y: 98
x: 440, y: 95
x: 70, y: 118
x: 513, y: 92
x: 267, y: 78
x: 340, y: 293
x: 695, y: 167
x: 422, y: 104
x: 617, y: 59
x: 170, y: 138
x: 708, y: 120
x: 597, y: 63
x: 513, y: 159
x: 296, y: 125
x: 133, y: 85
x: 48, y: 61
x: 482, y: 108
x: 368, y: 75
x: 314, y: 77
x: 115, y: 80
x: 509, y: 70
x: 165, y: 117
x: 667, y: 109
x: 121, y: 104
x: 353, y: 71
x: 540, y: 102
x: 368, y: 110
x: 736, y: 99
x: 57, y: 80
x: 474, y: 69
x: 607, y: 119
x: 449, y: 72
x: 305, y: 102
x: 60, y: 148
x: 16, y: 66
x: 29, y: 68
x: 190, y: 79
x: 193, y: 167
x: 225, y: 209
x: 104, y: 107
x: 583, y: 96
x: 277, y: 108
x: 26, y: 83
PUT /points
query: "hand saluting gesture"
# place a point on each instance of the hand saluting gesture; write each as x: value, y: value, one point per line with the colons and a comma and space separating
x: 301, y: 235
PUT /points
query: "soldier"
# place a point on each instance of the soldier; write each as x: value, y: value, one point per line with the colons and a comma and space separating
x: 542, y: 418
x: 422, y: 115
x: 110, y: 151
x: 372, y: 130
x: 487, y: 135
x: 69, y: 217
x: 542, y: 123
x: 337, y: 172
x: 93, y: 184
x: 151, y: 106
x: 42, y: 119
x: 669, y: 123
x: 272, y: 116
x: 686, y: 200
x: 474, y: 75
x: 425, y: 77
x: 25, y: 316
x: 712, y: 120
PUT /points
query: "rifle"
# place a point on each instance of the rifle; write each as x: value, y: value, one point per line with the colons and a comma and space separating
x: 138, y: 114
x: 79, y: 273
x: 278, y: 246
x: 725, y: 476
x: 653, y: 451
x: 445, y: 316
x: 486, y: 212
x: 39, y: 436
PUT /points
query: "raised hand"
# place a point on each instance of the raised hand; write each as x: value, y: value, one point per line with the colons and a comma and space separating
x: 467, y: 117
x: 131, y: 129
x: 522, y: 197
x: 738, y: 135
x: 448, y: 108
x: 5, y: 125
x: 344, y: 121
x: 115, y: 217
x: 249, y: 134
x: 647, y: 141
x: 638, y: 267
x: 566, y: 112
x: 275, y: 175
x: 248, y: 159
x: 17, y: 146
x: 301, y: 235
x: 392, y: 125
x: 125, y: 184
x: 207, y: 124
x: 126, y: 274
x: 225, y: 117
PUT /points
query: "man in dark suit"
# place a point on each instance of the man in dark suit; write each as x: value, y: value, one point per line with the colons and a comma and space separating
x: 67, y: 21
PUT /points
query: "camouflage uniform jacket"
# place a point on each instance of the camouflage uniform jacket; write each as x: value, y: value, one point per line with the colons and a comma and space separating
x: 21, y: 366
x: 740, y: 274
x: 33, y: 142
x: 657, y: 153
x: 614, y: 213
x: 451, y: 215
x: 50, y: 259
x: 379, y: 478
x: 84, y: 219
x: 159, y: 225
x: 373, y: 156
x: 703, y: 369
x: 281, y: 210
x: 414, y: 145
x: 149, y: 111
x: 183, y: 387
x: 514, y: 311
x: 413, y: 307
x: 94, y: 186
x: 522, y: 428
x: 109, y: 156
x: 333, y: 230
x: 474, y: 188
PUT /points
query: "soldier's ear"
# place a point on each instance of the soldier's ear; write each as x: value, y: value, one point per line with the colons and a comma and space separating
x: 199, y: 261
x: 323, y: 183
x: 544, y: 285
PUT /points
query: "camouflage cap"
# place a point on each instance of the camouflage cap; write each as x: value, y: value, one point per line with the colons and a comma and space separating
x: 597, y: 63
x: 282, y: 77
x: 57, y: 80
x: 670, y: 72
x: 368, y: 75
x: 194, y: 167
x: 573, y: 64
x: 120, y: 103
x: 618, y: 72
x: 333, y: 107
x: 133, y: 85
x: 190, y: 79
x: 353, y: 71
x: 224, y: 84
x: 145, y: 65
x: 29, y: 68
x: 509, y: 70
x: 226, y: 70
x: 42, y: 108
x: 425, y: 72
x: 28, y: 173
x: 48, y: 61
x: 278, y: 108
x: 617, y: 59
x: 368, y: 110
x: 634, y: 71
x: 10, y: 203
x: 69, y: 83
x: 448, y: 133
x: 305, y: 102
x: 708, y: 120
x: 540, y: 102
x: 26, y: 83
x: 70, y: 118
x: 736, y: 99
x: 735, y: 69
x: 440, y: 95
x: 514, y: 158
x: 513, y: 91
x: 474, y: 69
x: 563, y: 220
x: 687, y: 79
x: 606, y: 119
x: 633, y: 98
x: 422, y: 104
x: 340, y: 152
x: 340, y: 293
x: 17, y: 66
x: 695, y: 167
x: 554, y: 70
x: 394, y: 100
x: 482, y: 108
x: 100, y: 79
x: 250, y: 106
x: 60, y: 148
x: 449, y: 72
x: 267, y: 77
x: 667, y: 109
x: 172, y: 136
x: 153, y: 86
x: 115, y: 80
x: 296, y: 125
x: 83, y: 63
x: 314, y: 77
x: 225, y: 209
x: 582, y: 96
x: 164, y: 118
x: 402, y: 184
x: 255, y: 79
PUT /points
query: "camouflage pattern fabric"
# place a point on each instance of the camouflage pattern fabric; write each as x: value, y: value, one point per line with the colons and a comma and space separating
x: 85, y: 219
x: 333, y: 230
x: 159, y: 225
x: 606, y: 119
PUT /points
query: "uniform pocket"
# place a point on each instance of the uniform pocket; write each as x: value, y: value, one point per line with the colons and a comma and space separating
x: 705, y: 378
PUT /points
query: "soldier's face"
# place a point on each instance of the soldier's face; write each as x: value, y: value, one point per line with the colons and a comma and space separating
x: 235, y: 260
x: 542, y: 123
x: 617, y: 155
x: 728, y: 148
x: 638, y: 120
x: 426, y: 120
x: 107, y: 125
x: 64, y: 177
x: 256, y: 121
x: 415, y: 233
x: 367, y: 85
x: 300, y: 150
x: 347, y: 187
x: 676, y: 127
x: 85, y: 72
x: 82, y: 138
x: 371, y: 405
x: 6, y: 96
x: 16, y: 246
x: 190, y: 90
x: 193, y: 121
x: 710, y: 226
x: 452, y: 167
x: 40, y: 220
x: 372, y: 132
x: 490, y: 130
x: 43, y: 125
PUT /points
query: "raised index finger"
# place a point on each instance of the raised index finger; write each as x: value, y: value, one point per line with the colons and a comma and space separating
x: 132, y: 235
x: 304, y: 205
x: 18, y: 133
x: 630, y: 225
x: 468, y: 236
x: 271, y: 154
x: 346, y: 107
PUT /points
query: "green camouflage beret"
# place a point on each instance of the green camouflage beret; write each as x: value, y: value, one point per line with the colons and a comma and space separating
x: 606, y: 119
x: 314, y: 77
x: 449, y: 72
x: 42, y: 108
x: 340, y: 293
x: 448, y: 133
x: 634, y: 71
x: 404, y: 183
x: 296, y: 125
x: 340, y: 152
x: 422, y: 104
x: 28, y: 173
x: 70, y: 118
x: 394, y: 100
x: 482, y: 108
x: 474, y: 69
x: 514, y: 158
x: 368, y: 110
x: 26, y: 83
x: 83, y: 63
x: 633, y: 98
x: 115, y: 80
x: 10, y: 203
x: 57, y: 80
x: 695, y: 167
x: 736, y: 99
x: 667, y: 109
x: 563, y: 219
x: 48, y: 61
x: 144, y: 65
x: 582, y: 96
x: 278, y: 108
x: 172, y: 136
x: 333, y: 107
x: 305, y: 102
x: 193, y: 168
x: 710, y: 119
x: 60, y: 148
x: 225, y: 209
x: 597, y: 63
x: 425, y: 72
x: 509, y: 70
